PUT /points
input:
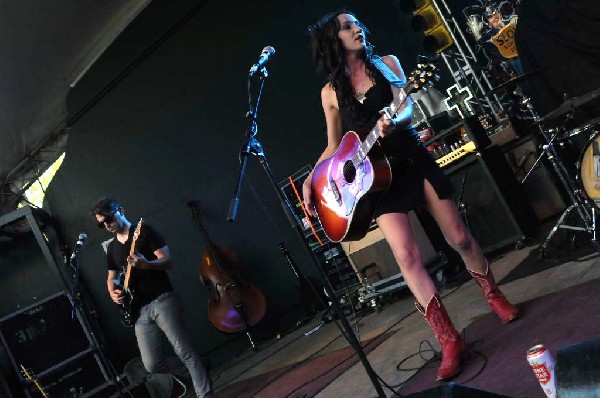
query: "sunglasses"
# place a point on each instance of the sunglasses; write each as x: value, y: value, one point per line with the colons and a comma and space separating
x: 107, y: 220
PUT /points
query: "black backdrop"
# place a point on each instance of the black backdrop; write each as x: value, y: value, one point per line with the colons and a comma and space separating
x: 561, y: 37
x: 159, y: 120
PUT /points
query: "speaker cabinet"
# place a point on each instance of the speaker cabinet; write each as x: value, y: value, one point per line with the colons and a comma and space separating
x: 81, y: 375
x: 496, y: 209
x: 373, y: 248
x: 540, y: 187
x: 54, y: 348
x: 577, y: 370
x: 43, y: 334
x: 451, y: 390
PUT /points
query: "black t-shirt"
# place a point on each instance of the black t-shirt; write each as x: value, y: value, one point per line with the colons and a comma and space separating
x: 146, y: 284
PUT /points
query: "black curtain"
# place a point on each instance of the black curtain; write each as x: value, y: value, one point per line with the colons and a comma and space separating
x: 562, y: 37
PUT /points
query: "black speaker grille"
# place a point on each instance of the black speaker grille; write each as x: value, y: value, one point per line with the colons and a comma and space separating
x: 44, y: 334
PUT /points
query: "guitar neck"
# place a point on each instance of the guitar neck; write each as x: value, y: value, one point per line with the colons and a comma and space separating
x: 373, y: 135
x: 136, y: 234
x: 421, y: 76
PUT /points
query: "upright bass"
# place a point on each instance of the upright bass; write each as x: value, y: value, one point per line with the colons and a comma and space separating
x: 234, y: 304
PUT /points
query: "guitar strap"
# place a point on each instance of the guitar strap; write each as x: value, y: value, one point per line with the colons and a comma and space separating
x: 387, y: 72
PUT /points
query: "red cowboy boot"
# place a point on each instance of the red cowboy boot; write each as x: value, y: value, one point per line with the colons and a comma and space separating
x: 495, y: 298
x: 453, y: 345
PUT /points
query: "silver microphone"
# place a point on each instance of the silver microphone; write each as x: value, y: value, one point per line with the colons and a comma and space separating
x: 81, y: 238
x: 264, y: 57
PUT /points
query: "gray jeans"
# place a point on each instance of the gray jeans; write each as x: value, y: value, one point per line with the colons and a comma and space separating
x: 164, y: 315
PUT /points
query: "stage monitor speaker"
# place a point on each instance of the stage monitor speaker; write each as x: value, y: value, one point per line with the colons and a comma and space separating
x: 452, y: 390
x: 497, y: 211
x: 578, y: 370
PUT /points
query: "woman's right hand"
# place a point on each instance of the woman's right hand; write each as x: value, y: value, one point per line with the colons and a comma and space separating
x: 307, y: 194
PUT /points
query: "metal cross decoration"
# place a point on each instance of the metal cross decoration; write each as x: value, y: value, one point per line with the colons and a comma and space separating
x: 458, y: 98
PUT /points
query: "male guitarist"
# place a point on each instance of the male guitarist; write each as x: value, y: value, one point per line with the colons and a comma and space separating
x: 359, y: 88
x: 155, y: 307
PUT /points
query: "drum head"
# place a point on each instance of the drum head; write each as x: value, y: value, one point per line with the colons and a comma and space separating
x: 589, y: 168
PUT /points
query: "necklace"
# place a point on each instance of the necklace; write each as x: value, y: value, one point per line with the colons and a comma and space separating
x: 361, y: 97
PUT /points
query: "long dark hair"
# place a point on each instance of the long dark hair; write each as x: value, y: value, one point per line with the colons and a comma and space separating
x: 329, y: 55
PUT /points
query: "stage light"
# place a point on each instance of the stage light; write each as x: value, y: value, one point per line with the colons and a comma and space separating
x: 426, y: 19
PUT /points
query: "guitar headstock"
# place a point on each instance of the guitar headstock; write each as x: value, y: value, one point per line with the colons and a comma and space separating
x: 422, y: 77
x: 29, y: 375
x: 136, y: 235
x: 138, y: 229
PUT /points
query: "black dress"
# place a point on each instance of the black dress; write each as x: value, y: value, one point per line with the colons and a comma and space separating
x: 410, y: 161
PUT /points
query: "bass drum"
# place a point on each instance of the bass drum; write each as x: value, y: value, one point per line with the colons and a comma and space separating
x: 589, y: 161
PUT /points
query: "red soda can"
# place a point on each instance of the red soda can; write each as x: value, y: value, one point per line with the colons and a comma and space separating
x: 425, y: 134
x: 542, y: 364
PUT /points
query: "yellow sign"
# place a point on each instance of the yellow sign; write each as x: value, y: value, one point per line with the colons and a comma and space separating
x: 504, y: 41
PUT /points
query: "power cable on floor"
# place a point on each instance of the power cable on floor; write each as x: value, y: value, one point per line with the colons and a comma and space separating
x: 391, y: 388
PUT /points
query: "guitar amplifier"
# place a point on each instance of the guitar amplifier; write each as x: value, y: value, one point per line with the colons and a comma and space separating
x: 458, y: 140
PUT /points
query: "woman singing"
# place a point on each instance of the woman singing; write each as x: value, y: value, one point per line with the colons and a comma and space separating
x: 353, y: 100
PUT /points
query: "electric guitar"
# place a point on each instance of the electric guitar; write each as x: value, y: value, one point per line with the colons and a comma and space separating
x: 129, y: 304
x: 348, y: 185
x: 28, y: 374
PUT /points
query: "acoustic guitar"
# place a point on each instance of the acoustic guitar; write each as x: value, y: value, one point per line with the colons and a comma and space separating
x: 347, y: 185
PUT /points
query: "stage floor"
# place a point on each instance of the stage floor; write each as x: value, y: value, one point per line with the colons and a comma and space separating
x: 300, y: 365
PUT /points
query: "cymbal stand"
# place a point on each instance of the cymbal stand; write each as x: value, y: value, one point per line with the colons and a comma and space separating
x: 578, y: 200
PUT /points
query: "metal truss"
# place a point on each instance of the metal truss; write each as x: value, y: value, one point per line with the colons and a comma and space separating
x: 29, y: 170
x: 461, y: 62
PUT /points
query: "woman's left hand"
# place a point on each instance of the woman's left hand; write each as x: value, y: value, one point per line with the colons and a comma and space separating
x: 386, y: 124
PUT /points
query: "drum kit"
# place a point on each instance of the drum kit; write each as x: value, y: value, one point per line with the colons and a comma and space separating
x: 583, y: 188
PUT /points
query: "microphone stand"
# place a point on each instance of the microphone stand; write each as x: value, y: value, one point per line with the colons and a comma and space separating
x: 74, y: 288
x: 253, y: 147
x: 77, y: 307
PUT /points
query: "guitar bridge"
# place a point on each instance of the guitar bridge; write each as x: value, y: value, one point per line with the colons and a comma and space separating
x: 336, y: 191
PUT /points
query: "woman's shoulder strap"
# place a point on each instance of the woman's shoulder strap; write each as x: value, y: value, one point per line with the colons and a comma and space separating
x: 387, y: 72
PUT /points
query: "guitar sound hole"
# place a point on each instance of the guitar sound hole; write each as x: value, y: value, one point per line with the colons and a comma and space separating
x: 349, y: 172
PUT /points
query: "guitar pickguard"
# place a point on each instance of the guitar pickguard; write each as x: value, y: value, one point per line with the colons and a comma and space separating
x: 341, y: 196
